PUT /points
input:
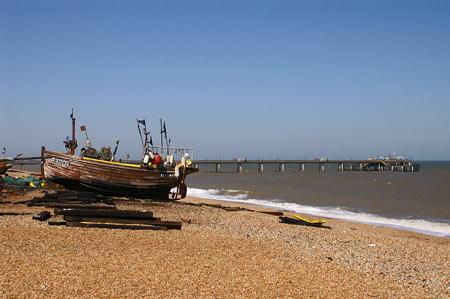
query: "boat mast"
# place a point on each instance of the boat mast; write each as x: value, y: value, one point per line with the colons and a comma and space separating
x: 72, y: 147
x: 165, y: 135
x: 162, y: 144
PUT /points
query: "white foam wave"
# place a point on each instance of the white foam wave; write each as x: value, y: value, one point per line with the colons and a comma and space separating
x: 417, y: 225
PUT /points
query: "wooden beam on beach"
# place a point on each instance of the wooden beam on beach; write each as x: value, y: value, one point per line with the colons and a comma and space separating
x: 105, y: 213
x: 154, y: 221
x: 234, y: 209
x: 115, y: 226
x: 56, y: 222
x: 274, y: 213
x: 13, y: 214
x: 75, y: 206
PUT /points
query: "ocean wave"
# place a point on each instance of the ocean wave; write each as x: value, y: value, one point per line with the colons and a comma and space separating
x: 417, y: 225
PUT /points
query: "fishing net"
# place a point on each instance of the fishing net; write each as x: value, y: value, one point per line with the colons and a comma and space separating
x: 27, y: 181
x: 90, y: 153
x: 105, y: 153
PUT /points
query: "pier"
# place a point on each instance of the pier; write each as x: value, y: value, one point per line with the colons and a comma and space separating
x: 319, y: 165
x: 274, y: 165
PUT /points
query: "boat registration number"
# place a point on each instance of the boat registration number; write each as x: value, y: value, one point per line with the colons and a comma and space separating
x: 165, y: 174
x: 60, y: 162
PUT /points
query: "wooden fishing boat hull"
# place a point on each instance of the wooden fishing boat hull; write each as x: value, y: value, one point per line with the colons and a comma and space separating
x: 4, y: 165
x: 119, y: 179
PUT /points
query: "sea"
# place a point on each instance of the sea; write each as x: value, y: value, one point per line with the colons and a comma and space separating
x: 416, y: 201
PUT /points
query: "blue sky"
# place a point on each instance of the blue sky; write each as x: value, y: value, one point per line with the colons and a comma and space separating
x: 255, y: 79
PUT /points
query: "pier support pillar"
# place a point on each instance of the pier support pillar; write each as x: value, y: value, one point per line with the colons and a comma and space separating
x: 301, y: 167
x: 196, y: 165
x: 281, y: 167
x: 261, y: 167
x: 321, y: 167
x: 341, y: 166
x: 239, y: 167
x: 217, y: 167
x: 360, y: 167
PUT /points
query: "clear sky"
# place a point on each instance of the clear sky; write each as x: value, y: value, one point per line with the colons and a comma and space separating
x: 254, y: 79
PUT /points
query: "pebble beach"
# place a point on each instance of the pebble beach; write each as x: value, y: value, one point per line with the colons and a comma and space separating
x: 217, y: 254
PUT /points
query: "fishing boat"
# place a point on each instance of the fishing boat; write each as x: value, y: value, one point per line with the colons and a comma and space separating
x: 158, y: 176
x: 5, y: 164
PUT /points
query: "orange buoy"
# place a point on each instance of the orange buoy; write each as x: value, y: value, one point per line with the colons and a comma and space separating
x: 157, y: 160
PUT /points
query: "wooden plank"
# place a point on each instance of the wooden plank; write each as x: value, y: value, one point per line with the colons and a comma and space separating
x: 56, y: 222
x: 115, y: 226
x: 43, y: 204
x: 191, y: 204
x: 232, y: 209
x: 275, y: 213
x: 59, y: 197
x: 71, y: 192
x: 13, y: 214
x: 76, y: 206
x: 130, y: 203
x: 155, y: 221
x: 106, y: 213
x: 23, y: 202
x: 69, y: 198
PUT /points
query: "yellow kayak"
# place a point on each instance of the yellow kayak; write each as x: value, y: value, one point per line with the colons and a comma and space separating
x: 309, y: 221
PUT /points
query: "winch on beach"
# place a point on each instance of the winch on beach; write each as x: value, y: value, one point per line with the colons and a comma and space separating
x: 160, y: 175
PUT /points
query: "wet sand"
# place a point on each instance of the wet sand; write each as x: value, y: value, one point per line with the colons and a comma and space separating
x: 217, y: 254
